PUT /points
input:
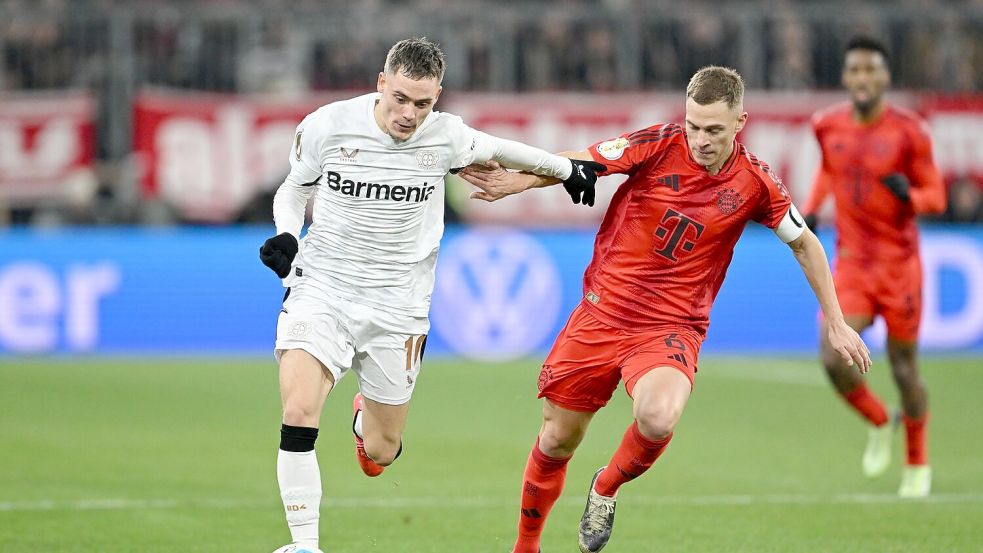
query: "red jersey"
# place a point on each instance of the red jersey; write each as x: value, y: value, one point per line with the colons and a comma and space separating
x: 872, y: 224
x: 668, y: 236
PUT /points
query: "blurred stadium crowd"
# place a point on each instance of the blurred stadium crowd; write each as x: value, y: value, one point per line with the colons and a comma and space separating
x: 115, y: 48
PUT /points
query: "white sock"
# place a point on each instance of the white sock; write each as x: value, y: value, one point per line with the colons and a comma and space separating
x: 300, y: 488
x: 358, y: 424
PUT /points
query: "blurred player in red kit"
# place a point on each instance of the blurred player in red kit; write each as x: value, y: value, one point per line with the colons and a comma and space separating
x: 877, y: 163
x: 659, y: 259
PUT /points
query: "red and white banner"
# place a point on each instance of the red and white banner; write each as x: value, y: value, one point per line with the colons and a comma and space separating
x: 208, y: 155
x: 46, y: 146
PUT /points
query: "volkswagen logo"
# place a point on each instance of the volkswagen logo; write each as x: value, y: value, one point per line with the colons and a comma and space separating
x: 497, y: 295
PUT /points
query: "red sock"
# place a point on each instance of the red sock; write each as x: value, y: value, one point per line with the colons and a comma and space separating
x: 541, y: 487
x: 915, y: 434
x: 867, y: 404
x: 634, y: 456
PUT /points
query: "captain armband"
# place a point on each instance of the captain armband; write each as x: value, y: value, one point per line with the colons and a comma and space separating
x: 792, y: 225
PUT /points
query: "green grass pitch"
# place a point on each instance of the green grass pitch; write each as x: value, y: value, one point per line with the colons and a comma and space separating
x: 178, y: 455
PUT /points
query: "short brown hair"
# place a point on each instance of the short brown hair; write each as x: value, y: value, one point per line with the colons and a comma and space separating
x: 715, y: 83
x: 417, y: 58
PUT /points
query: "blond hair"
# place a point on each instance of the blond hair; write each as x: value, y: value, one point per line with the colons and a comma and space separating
x: 714, y: 84
x: 417, y: 58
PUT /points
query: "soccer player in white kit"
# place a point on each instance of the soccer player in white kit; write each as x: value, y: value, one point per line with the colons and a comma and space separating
x: 359, y: 282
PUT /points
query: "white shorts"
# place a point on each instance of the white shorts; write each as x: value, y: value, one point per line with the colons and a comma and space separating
x: 382, y: 349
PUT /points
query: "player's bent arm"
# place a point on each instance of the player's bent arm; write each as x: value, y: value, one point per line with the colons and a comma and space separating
x: 811, y: 256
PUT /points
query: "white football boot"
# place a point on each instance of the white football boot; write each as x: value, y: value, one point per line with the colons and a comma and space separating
x: 916, y: 482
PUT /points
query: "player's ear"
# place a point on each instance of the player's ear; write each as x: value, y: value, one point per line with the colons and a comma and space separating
x: 741, y: 121
x: 381, y: 82
x: 437, y: 96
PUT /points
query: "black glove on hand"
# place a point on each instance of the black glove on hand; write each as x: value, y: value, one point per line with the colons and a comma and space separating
x: 899, y: 185
x: 278, y: 253
x: 580, y: 183
x: 811, y: 221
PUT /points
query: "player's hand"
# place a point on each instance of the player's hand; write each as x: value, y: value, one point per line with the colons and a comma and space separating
x: 278, y: 253
x: 899, y: 185
x: 849, y: 345
x: 580, y: 183
x: 493, y: 181
x: 811, y: 221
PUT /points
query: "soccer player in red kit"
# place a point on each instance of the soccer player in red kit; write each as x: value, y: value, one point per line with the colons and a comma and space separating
x: 659, y: 259
x: 877, y: 163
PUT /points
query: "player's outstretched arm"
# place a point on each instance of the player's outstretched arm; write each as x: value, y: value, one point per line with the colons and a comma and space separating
x: 495, y: 183
x: 811, y: 256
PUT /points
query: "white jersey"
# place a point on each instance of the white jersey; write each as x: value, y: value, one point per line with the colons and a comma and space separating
x: 379, y: 204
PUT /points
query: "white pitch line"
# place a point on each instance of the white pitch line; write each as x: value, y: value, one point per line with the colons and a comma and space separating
x: 792, y: 371
x: 477, y: 502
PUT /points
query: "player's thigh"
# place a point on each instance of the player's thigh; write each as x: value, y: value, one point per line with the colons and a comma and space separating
x: 857, y: 293
x: 581, y: 371
x: 659, y: 398
x: 388, y: 365
x: 314, y: 350
x: 901, y: 301
x: 307, y: 322
x: 672, y: 346
x: 302, y: 373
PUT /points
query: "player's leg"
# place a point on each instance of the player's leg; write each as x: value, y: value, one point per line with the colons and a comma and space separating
x: 382, y: 430
x: 857, y: 292
x: 304, y: 386
x: 916, y: 480
x: 658, y: 374
x: 546, y: 469
x: 903, y: 315
x: 577, y: 378
x: 659, y: 399
x: 387, y: 368
x: 314, y: 352
x: 853, y: 388
x: 846, y: 379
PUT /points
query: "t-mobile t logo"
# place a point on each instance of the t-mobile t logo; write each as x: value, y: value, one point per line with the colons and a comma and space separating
x: 674, y: 225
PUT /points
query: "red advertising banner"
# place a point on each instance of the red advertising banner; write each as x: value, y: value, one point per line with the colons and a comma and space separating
x: 46, y: 146
x: 208, y: 155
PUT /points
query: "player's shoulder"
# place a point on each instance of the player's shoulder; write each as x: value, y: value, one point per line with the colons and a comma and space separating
x: 759, y: 172
x: 831, y: 116
x: 443, y: 122
x: 661, y: 132
x: 909, y: 120
x: 649, y: 139
x: 339, y: 112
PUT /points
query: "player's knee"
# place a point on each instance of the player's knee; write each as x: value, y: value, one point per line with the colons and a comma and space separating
x: 657, y: 421
x: 558, y: 442
x: 298, y: 413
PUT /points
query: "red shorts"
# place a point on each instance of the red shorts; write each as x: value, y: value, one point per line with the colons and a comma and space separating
x: 892, y: 291
x: 589, y: 358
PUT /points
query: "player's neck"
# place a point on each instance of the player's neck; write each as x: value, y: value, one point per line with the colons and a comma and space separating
x: 871, y: 114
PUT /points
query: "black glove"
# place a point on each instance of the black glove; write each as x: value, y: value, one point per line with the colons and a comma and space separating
x: 811, y: 221
x: 899, y: 185
x: 278, y: 253
x: 580, y: 183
